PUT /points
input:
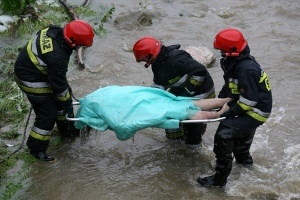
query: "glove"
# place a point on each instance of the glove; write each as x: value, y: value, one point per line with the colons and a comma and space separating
x: 228, y: 114
x: 68, y: 112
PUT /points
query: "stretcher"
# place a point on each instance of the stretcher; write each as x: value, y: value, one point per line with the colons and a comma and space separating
x: 140, y: 107
x: 85, y: 131
x: 182, y: 121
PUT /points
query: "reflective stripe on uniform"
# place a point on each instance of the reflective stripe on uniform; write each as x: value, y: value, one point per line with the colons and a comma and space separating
x: 180, y: 81
x: 64, y: 96
x: 247, y: 101
x: 207, y: 94
x: 40, y: 134
x: 246, y: 104
x: 34, y: 59
x: 196, y: 80
x: 34, y: 51
x: 233, y: 86
x: 258, y: 115
x: 34, y: 87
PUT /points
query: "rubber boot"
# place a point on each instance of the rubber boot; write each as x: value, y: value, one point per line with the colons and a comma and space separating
x: 246, y: 161
x: 174, y: 134
x: 223, y: 169
x: 216, y: 180
x: 42, y: 156
x: 193, y: 134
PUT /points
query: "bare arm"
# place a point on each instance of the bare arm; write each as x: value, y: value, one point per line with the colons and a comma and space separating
x: 210, y: 114
x: 209, y: 104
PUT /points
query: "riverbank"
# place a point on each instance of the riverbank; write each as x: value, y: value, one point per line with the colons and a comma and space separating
x: 15, y: 112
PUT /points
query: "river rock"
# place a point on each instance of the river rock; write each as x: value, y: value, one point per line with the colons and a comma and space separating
x: 136, y: 19
x: 202, y: 54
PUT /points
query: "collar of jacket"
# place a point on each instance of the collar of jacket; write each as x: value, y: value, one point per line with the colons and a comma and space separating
x: 230, y: 64
x: 56, y: 33
x: 164, y: 52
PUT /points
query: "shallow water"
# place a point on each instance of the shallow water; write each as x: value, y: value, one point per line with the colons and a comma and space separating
x: 151, y: 167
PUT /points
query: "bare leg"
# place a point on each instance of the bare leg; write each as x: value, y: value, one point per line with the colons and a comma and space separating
x: 208, y: 104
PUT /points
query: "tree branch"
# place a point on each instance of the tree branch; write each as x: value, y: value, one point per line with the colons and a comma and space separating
x: 74, y: 16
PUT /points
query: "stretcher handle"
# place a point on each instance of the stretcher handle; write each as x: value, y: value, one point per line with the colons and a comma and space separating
x: 72, y: 119
x: 75, y: 103
x: 202, y: 120
x: 183, y: 121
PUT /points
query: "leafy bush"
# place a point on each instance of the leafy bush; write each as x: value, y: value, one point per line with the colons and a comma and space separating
x: 14, y: 7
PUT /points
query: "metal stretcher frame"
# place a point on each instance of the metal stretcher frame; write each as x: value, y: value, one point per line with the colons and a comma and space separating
x: 183, y: 121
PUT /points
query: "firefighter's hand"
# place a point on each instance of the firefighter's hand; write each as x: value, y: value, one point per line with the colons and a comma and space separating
x: 68, y: 112
x: 228, y: 114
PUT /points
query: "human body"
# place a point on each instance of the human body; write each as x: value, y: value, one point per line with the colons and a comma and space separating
x: 247, y: 84
x: 176, y: 71
x: 141, y: 107
x: 40, y: 72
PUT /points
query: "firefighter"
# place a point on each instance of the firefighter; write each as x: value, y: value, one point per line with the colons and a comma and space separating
x: 40, y: 72
x: 248, y: 85
x: 176, y: 71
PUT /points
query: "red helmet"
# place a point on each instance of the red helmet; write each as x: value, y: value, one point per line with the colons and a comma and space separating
x: 231, y: 41
x: 144, y: 47
x: 78, y: 33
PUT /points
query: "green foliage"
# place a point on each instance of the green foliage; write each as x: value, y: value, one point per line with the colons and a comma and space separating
x: 28, y: 26
x: 7, y: 60
x: 14, y: 7
x: 13, y: 106
x: 85, y: 11
x: 10, y: 190
x: 106, y: 15
x: 56, y: 142
x: 3, y: 152
x: 11, y: 134
x: 12, y: 183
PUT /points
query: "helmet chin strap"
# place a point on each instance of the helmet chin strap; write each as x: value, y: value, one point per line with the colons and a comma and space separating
x: 147, y: 65
x: 70, y: 42
x: 233, y: 54
x: 149, y: 62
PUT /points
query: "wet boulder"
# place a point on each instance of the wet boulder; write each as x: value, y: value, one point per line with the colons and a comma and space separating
x: 202, y: 54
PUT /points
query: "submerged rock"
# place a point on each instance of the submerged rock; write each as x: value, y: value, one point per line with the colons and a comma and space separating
x: 136, y: 19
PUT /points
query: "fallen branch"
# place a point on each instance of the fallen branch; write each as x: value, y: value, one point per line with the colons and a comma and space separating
x: 74, y: 16
x: 84, y: 3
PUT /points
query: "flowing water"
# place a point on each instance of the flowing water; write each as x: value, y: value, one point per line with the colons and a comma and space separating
x: 150, y: 166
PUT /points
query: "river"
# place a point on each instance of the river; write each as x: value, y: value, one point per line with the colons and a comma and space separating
x: 152, y: 167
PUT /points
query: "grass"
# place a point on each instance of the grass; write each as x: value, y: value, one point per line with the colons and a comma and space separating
x: 12, y: 182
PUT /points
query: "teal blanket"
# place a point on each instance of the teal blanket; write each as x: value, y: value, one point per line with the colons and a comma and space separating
x: 127, y: 109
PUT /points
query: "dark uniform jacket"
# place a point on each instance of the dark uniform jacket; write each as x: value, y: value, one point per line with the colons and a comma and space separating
x: 42, y: 65
x: 248, y: 85
x: 176, y: 70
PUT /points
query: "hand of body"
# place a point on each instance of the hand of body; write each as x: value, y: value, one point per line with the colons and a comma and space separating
x: 208, y: 104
